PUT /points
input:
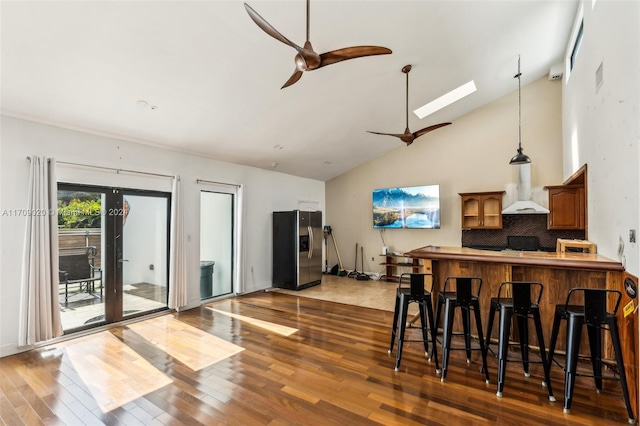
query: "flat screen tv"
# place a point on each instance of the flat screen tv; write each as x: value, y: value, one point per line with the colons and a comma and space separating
x: 412, y: 207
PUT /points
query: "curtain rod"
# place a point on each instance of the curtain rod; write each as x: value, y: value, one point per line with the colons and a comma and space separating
x: 111, y: 168
x: 48, y: 159
x: 218, y: 183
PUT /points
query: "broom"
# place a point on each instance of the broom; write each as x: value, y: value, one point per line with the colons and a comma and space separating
x: 361, y: 275
x: 341, y: 272
x: 355, y: 273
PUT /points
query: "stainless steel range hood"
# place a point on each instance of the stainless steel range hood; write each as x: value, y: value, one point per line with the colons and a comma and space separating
x: 524, y: 205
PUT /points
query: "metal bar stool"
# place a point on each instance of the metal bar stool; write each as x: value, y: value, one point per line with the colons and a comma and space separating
x: 414, y: 293
x: 592, y: 313
x: 515, y: 298
x: 464, y: 296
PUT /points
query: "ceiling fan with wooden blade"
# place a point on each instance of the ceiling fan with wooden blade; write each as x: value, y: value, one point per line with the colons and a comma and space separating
x: 308, y: 59
x: 408, y: 137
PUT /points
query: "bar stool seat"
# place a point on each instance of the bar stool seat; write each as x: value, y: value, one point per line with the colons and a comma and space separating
x: 414, y: 293
x: 594, y: 314
x: 464, y: 296
x: 515, y: 298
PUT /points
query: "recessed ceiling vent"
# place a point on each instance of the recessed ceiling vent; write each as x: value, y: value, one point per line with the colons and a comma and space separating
x: 555, y: 72
x: 599, y: 77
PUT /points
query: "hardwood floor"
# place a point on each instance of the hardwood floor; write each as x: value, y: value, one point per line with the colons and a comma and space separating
x: 333, y: 370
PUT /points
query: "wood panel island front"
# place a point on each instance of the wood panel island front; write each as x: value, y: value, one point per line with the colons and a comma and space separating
x: 558, y: 272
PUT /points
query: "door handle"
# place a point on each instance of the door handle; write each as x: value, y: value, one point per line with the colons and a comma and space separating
x: 123, y: 260
x: 310, y: 230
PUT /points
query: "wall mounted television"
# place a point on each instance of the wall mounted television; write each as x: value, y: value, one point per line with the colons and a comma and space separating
x: 411, y: 207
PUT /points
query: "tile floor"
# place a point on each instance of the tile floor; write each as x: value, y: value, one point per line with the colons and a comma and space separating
x: 369, y: 294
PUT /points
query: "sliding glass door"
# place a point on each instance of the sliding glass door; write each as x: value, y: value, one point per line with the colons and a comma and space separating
x: 113, y: 254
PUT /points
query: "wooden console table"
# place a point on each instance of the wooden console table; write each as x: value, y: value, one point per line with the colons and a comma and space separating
x: 394, y: 263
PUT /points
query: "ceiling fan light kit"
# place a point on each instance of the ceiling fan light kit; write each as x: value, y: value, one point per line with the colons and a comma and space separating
x: 308, y: 59
x: 520, y: 157
x: 408, y: 137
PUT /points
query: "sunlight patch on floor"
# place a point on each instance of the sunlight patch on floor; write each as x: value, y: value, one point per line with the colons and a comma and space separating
x: 191, y: 346
x: 274, y: 328
x: 114, y: 373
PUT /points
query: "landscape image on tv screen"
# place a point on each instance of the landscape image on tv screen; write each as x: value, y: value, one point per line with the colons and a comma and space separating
x: 415, y: 207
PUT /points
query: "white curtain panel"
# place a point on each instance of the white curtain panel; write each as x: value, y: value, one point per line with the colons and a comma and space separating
x: 39, y: 307
x: 177, y: 250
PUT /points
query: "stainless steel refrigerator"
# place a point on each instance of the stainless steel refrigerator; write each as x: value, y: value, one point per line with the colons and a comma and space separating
x: 297, y: 249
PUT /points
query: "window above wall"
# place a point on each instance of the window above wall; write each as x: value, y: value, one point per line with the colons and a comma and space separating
x: 573, y: 47
x: 576, y: 46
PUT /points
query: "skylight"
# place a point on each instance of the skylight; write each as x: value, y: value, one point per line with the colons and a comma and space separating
x: 446, y: 99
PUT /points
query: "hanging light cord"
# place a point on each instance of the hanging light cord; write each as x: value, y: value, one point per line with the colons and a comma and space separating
x: 406, y: 106
x: 307, y: 20
x: 519, y: 107
x: 520, y: 157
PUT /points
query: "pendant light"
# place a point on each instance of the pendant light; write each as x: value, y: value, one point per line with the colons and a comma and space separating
x: 520, y: 157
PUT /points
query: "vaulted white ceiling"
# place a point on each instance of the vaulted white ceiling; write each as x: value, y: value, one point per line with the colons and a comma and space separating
x: 215, y: 77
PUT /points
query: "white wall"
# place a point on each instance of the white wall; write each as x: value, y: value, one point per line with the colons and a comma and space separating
x: 471, y: 155
x: 604, y: 124
x: 264, y: 192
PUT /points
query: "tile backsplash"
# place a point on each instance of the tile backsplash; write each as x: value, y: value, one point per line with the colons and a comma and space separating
x: 518, y: 225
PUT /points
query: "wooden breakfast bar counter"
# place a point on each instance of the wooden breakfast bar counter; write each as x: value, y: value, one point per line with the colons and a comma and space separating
x: 567, y: 260
x: 558, y: 272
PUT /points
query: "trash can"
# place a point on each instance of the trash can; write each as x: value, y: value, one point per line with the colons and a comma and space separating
x: 206, y: 278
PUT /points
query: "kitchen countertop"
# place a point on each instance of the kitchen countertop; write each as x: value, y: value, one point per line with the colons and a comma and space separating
x: 568, y: 260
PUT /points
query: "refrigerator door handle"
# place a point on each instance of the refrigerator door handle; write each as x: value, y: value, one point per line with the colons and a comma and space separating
x: 310, y: 253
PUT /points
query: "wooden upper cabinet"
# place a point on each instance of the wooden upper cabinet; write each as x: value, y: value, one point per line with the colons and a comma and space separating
x: 566, y: 207
x: 482, y: 210
x: 568, y: 203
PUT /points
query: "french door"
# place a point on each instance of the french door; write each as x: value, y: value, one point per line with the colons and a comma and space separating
x: 113, y: 254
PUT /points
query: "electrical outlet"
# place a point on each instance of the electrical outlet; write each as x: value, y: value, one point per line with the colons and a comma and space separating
x: 372, y: 259
x: 632, y: 235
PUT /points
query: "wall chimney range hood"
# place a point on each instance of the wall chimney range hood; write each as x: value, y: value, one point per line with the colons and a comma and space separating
x: 524, y: 205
